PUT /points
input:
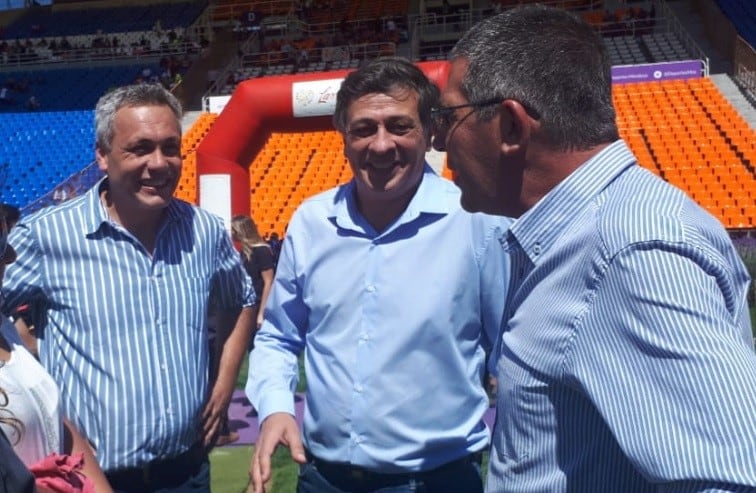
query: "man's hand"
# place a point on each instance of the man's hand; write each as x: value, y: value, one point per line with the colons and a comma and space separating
x: 277, y: 428
x: 213, y: 414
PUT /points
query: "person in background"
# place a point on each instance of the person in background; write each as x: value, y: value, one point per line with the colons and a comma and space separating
x: 394, y: 294
x: 627, y: 360
x: 24, y: 317
x: 257, y: 257
x: 127, y: 273
x: 275, y: 245
x: 30, y: 417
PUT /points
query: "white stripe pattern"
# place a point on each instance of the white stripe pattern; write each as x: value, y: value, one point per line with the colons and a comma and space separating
x: 627, y: 359
x: 126, y: 337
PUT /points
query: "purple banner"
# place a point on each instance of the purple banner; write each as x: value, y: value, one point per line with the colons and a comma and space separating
x: 687, y: 69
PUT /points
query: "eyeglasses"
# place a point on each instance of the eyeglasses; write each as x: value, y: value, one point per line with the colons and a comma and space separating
x: 443, y: 114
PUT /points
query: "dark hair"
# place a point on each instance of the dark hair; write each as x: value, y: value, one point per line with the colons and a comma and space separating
x: 549, y: 60
x: 381, y: 76
x: 10, y: 213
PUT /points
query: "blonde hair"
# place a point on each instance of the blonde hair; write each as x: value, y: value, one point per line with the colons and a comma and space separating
x: 244, y: 230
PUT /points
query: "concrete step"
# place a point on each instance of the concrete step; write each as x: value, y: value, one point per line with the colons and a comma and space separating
x: 732, y: 92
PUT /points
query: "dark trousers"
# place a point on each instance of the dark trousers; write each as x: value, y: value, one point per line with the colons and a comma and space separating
x: 186, y: 473
x: 462, y: 475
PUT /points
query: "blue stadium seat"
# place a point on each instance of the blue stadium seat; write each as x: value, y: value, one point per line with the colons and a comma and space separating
x: 742, y: 14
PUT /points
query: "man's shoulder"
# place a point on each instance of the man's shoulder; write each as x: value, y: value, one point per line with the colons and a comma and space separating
x: 68, y: 213
x: 643, y: 208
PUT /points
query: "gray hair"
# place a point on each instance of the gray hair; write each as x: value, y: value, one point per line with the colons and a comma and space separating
x: 550, y: 61
x: 129, y: 96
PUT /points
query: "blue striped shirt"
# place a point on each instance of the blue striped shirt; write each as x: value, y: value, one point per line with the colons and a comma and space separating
x: 126, y: 335
x: 627, y: 361
x: 393, y: 326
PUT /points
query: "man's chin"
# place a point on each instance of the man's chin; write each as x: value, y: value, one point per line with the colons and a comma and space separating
x: 154, y: 201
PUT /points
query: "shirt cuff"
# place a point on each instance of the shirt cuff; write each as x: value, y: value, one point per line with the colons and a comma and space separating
x: 275, y: 402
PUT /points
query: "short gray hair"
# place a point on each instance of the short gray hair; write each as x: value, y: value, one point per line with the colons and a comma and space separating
x: 129, y: 96
x: 550, y: 61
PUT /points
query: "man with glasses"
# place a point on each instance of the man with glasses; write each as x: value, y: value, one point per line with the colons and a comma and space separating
x: 394, y: 294
x: 627, y: 361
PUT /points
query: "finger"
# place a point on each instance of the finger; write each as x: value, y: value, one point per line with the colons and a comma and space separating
x: 258, y: 478
x: 264, y: 454
x: 296, y: 448
x: 211, y: 429
x: 207, y: 411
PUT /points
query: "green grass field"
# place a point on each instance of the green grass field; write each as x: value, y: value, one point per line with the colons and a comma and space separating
x: 229, y: 468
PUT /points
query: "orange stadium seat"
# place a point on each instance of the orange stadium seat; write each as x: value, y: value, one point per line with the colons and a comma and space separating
x: 687, y: 132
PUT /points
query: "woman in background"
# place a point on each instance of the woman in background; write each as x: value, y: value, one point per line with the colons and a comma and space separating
x: 258, y: 260
x: 30, y: 418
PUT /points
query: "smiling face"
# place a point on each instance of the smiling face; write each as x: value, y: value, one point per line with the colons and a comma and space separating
x: 385, y: 144
x: 489, y: 181
x: 144, y: 161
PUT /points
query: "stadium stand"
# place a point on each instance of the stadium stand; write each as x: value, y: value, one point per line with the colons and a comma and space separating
x: 39, y: 22
x: 685, y: 131
x: 742, y: 14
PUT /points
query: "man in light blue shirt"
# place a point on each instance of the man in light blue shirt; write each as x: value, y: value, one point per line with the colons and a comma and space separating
x: 393, y: 292
x: 626, y: 363
x: 126, y: 273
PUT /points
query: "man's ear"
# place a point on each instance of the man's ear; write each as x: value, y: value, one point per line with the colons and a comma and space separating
x: 102, y: 159
x: 516, y: 126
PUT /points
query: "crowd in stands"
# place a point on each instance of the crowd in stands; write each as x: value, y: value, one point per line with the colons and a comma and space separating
x: 102, y: 45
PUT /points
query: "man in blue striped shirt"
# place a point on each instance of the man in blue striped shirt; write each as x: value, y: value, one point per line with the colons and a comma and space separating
x: 127, y: 272
x: 627, y: 363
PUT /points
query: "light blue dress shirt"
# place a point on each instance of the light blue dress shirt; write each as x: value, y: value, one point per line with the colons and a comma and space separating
x: 627, y: 363
x: 393, y: 326
x: 126, y: 336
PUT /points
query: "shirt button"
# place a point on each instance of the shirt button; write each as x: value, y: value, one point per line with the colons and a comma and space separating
x: 370, y: 288
x: 359, y: 439
x: 359, y: 388
x: 537, y: 248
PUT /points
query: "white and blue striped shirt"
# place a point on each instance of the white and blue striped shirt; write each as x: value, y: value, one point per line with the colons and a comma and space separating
x: 126, y: 334
x: 627, y: 363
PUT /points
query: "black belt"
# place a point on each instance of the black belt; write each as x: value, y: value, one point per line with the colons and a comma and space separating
x: 160, y: 473
x: 355, y: 478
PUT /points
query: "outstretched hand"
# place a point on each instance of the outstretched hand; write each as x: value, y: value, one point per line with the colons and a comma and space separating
x: 278, y: 428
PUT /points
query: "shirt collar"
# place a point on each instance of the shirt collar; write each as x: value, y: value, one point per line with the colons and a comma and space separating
x: 539, y: 227
x: 428, y: 199
x: 98, y: 214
